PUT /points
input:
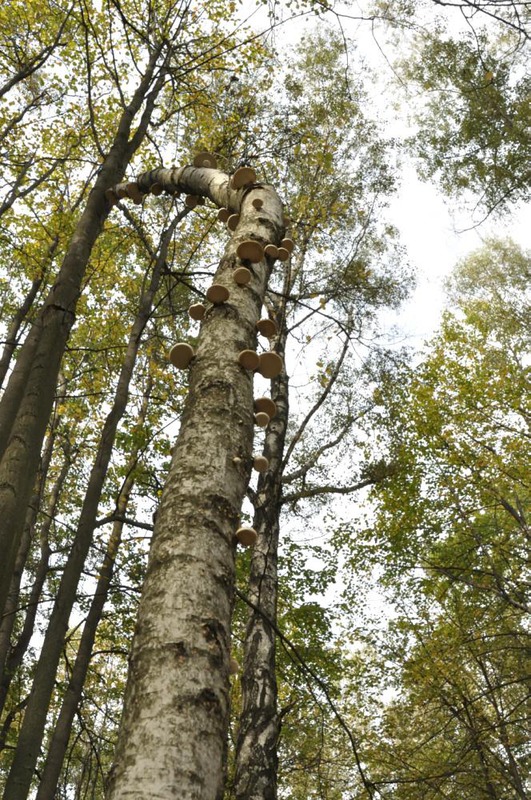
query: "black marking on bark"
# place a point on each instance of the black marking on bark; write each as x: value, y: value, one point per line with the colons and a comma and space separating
x: 209, y: 700
x: 178, y: 649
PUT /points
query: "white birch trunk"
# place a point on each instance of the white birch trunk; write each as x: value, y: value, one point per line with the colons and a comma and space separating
x: 174, y: 727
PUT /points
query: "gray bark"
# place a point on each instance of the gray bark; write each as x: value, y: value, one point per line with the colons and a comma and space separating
x: 10, y: 657
x: 59, y: 740
x: 174, y: 727
x: 28, y: 399
x: 32, y: 730
x: 13, y: 333
x: 259, y: 725
x: 16, y: 654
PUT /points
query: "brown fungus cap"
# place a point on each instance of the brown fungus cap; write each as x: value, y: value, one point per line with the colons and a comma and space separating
x: 249, y: 359
x: 181, y: 354
x: 266, y: 405
x: 250, y: 250
x: 217, y: 293
x: 270, y: 364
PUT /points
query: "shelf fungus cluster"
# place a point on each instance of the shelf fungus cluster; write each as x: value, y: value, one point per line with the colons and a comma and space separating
x: 252, y: 256
x: 268, y: 364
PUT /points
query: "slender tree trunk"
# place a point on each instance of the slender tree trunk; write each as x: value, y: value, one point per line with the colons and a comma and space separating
x: 256, y: 747
x: 32, y: 730
x: 16, y: 655
x: 12, y: 337
x: 59, y: 741
x: 13, y: 334
x: 28, y: 399
x: 10, y: 609
x: 174, y: 725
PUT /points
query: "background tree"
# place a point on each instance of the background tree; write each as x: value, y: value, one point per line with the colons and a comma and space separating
x: 452, y: 526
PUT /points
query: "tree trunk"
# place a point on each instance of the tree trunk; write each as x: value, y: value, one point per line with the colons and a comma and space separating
x: 59, y: 741
x: 11, y: 607
x: 32, y: 730
x: 256, y: 747
x: 12, y: 337
x: 28, y: 399
x: 16, y: 655
x: 174, y: 726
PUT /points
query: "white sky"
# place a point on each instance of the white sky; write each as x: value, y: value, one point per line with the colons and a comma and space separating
x: 433, y: 231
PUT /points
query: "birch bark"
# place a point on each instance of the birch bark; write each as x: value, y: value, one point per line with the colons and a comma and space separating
x: 33, y: 725
x: 173, y: 735
x: 256, y: 747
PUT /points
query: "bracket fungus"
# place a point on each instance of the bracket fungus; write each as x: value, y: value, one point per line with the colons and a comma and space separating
x: 266, y: 405
x: 217, y: 294
x: 267, y: 328
x: 232, y: 222
x: 197, y: 311
x: 288, y: 244
x: 246, y: 536
x: 181, y: 354
x: 260, y: 463
x: 134, y: 193
x: 242, y: 276
x: 250, y: 250
x: 156, y: 189
x: 223, y: 214
x: 283, y: 254
x: 205, y: 159
x: 271, y: 251
x: 258, y: 203
x: 248, y: 359
x: 243, y: 177
x: 270, y: 364
x: 191, y: 201
x: 261, y: 419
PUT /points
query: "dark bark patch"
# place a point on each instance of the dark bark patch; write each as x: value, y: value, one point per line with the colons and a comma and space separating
x: 178, y: 649
x: 213, y: 631
x: 209, y: 700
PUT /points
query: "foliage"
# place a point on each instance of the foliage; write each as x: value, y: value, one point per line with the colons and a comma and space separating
x: 473, y: 117
x: 452, y: 535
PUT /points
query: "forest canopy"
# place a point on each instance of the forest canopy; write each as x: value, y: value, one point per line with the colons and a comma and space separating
x: 252, y: 546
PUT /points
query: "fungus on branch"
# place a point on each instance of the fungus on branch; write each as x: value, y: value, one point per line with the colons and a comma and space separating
x: 267, y: 328
x: 205, y: 159
x: 197, y: 311
x: 134, y: 193
x: 266, y: 405
x: 246, y: 536
x: 250, y: 250
x: 232, y: 222
x: 260, y: 463
x: 271, y: 251
x: 243, y: 176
